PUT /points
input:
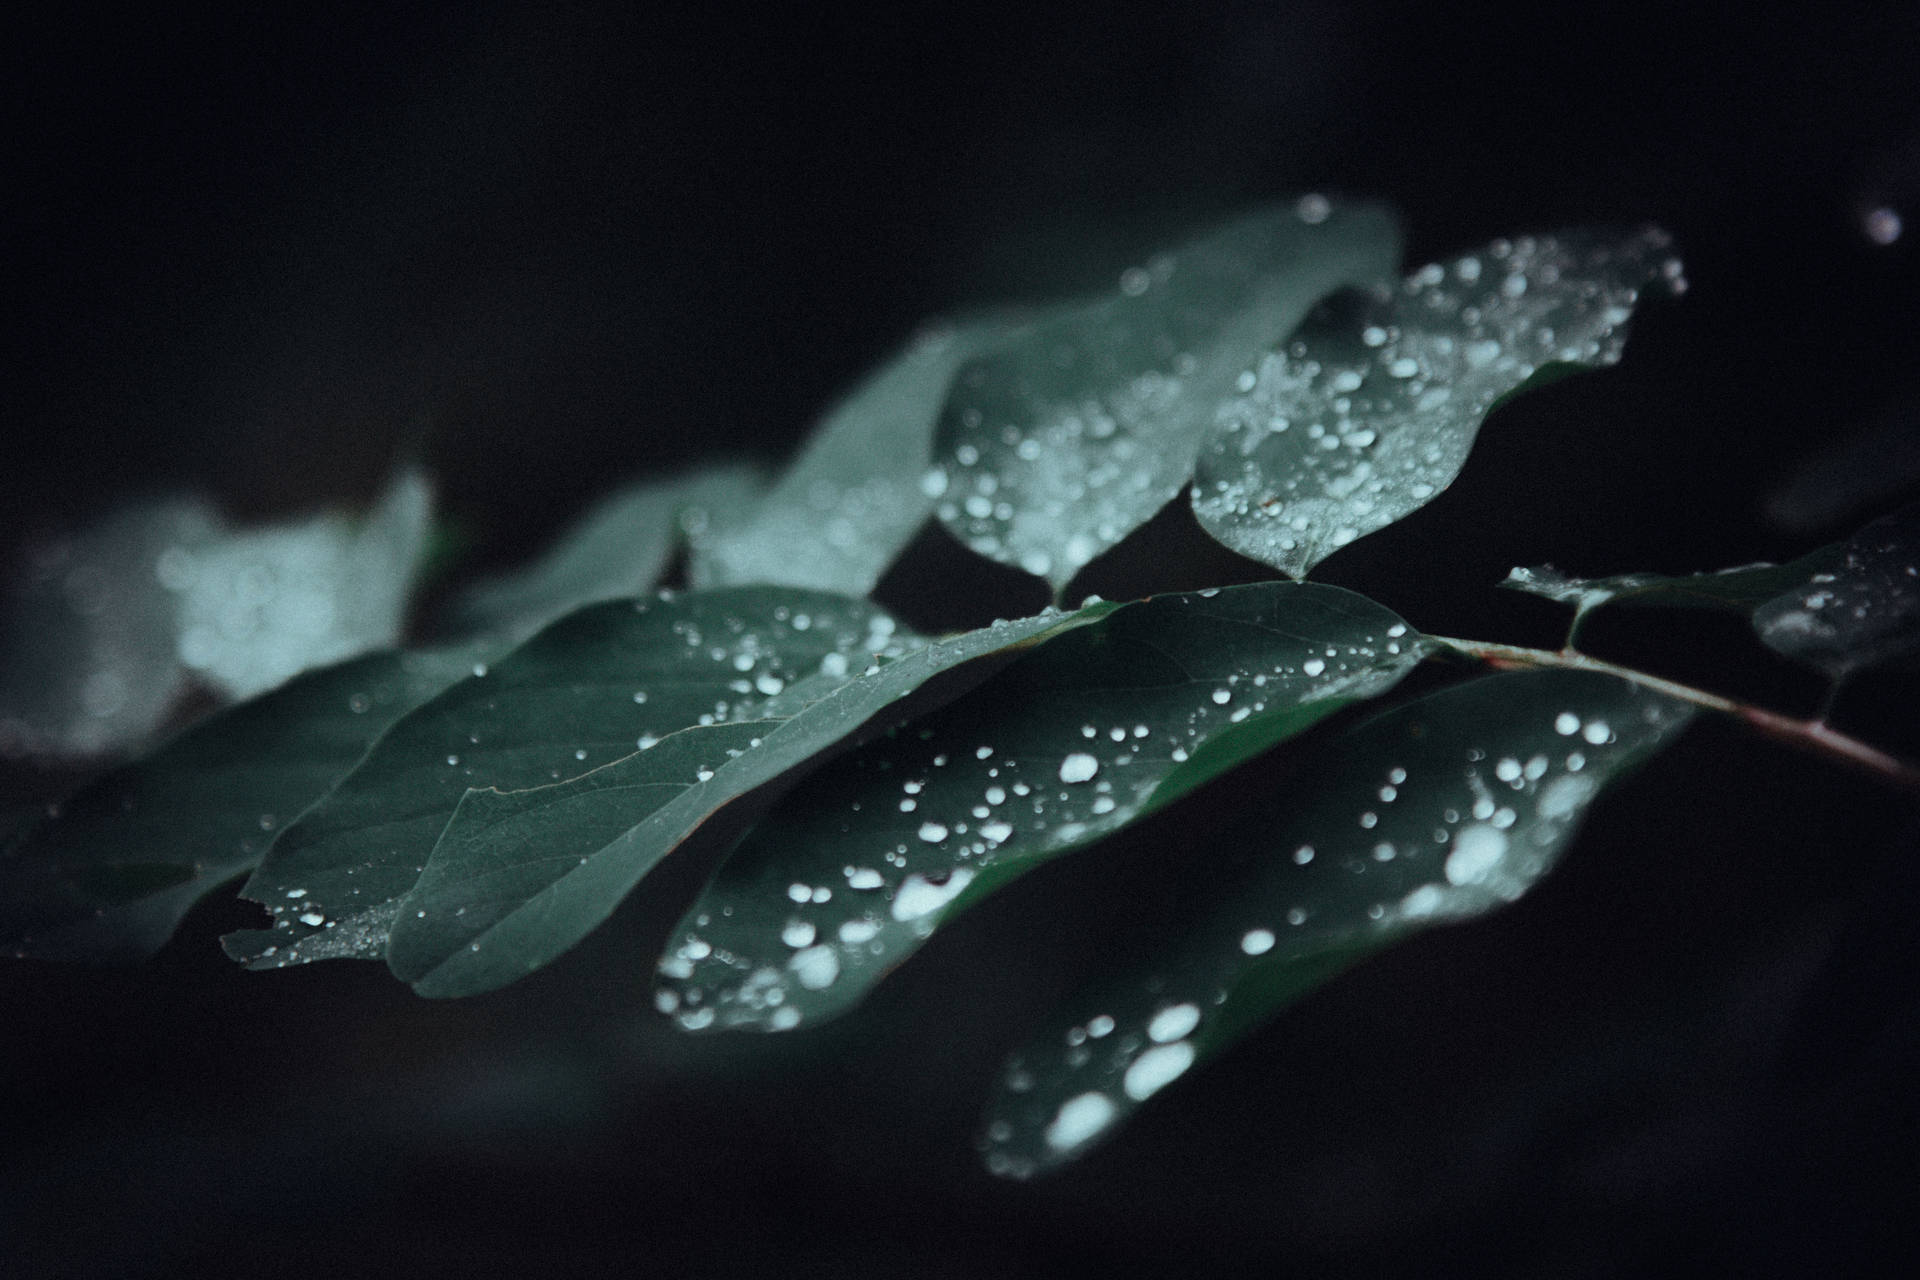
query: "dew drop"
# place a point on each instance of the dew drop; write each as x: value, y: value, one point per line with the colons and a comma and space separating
x: 1155, y: 1069
x: 1257, y: 942
x: 1175, y: 1022
x: 1078, y: 767
x: 1079, y: 1120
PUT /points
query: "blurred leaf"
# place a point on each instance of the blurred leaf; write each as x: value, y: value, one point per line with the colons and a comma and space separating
x: 519, y: 877
x: 590, y: 688
x: 259, y: 606
x: 1061, y: 443
x: 1373, y: 407
x: 617, y: 550
x: 1738, y: 590
x: 856, y: 867
x: 88, y: 636
x: 1863, y: 611
x: 861, y: 487
x: 109, y: 874
x: 1441, y: 809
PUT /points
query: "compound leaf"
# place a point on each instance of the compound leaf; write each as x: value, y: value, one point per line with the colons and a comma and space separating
x: 518, y: 877
x: 858, y: 865
x: 1441, y: 809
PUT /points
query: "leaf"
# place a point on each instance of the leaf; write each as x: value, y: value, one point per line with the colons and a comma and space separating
x: 1863, y: 611
x: 1060, y: 444
x: 1373, y: 407
x: 617, y: 550
x: 857, y: 866
x: 588, y: 689
x: 1438, y: 810
x: 1736, y: 590
x: 491, y: 907
x: 862, y: 487
x: 87, y: 638
x: 494, y: 904
x: 259, y: 606
x: 110, y: 873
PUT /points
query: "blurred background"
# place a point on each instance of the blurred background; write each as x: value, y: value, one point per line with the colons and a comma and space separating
x: 266, y: 254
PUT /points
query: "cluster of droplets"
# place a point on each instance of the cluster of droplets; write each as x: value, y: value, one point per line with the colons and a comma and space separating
x: 1866, y: 610
x: 1372, y: 408
x: 929, y: 808
x: 1452, y: 835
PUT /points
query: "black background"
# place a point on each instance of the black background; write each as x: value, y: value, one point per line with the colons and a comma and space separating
x: 265, y: 254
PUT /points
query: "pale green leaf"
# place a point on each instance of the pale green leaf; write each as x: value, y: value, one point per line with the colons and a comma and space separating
x: 1060, y: 444
x: 861, y: 488
x: 1372, y: 408
x: 1439, y: 810
x: 1862, y: 611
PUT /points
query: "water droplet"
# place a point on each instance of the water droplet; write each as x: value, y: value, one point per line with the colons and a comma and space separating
x: 1257, y: 942
x: 864, y: 878
x: 1477, y: 851
x: 932, y: 832
x: 1598, y: 732
x: 313, y: 919
x: 1566, y: 724
x: 1079, y: 1120
x: 1155, y: 1069
x: 816, y: 967
x: 1175, y: 1022
x: 1078, y: 767
x: 917, y: 895
x: 1313, y: 666
x: 1222, y: 696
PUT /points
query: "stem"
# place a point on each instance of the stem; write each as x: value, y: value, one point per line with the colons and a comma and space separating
x: 1811, y: 735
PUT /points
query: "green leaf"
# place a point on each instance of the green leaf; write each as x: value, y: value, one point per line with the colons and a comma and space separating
x: 1736, y: 590
x: 1438, y: 810
x: 494, y: 904
x: 1060, y: 444
x: 617, y: 550
x: 861, y: 488
x: 1373, y: 407
x: 109, y: 874
x: 857, y: 866
x: 1863, y: 611
x: 589, y: 689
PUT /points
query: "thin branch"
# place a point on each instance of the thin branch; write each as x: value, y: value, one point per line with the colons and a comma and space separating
x: 1811, y: 735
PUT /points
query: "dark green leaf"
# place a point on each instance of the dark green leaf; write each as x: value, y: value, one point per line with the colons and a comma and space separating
x: 591, y: 688
x: 853, y: 870
x: 1863, y: 611
x: 109, y: 875
x: 1060, y: 444
x: 495, y: 904
x: 1737, y: 590
x: 1438, y: 810
x: 1373, y: 407
x: 861, y: 488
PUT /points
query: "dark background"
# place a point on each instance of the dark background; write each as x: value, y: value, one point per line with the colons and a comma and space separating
x: 266, y: 254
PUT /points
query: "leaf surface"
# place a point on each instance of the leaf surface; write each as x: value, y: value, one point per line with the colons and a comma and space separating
x: 1441, y: 809
x: 519, y: 877
x: 1736, y: 590
x: 1061, y: 443
x: 1863, y: 611
x: 110, y: 873
x: 857, y: 866
x: 861, y: 488
x: 589, y: 689
x: 1372, y: 408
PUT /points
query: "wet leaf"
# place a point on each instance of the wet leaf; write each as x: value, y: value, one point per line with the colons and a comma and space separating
x: 1863, y: 611
x: 1372, y: 408
x: 1435, y: 811
x: 1737, y: 590
x: 861, y: 487
x: 617, y: 550
x: 857, y: 866
x: 495, y: 902
x: 1060, y: 444
x: 111, y: 872
x: 591, y: 688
